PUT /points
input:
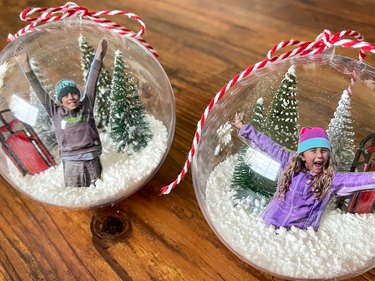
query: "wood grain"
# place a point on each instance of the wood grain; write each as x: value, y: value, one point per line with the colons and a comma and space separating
x: 202, y: 45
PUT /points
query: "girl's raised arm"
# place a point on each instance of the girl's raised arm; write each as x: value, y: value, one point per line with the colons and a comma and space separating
x: 347, y: 183
x: 251, y: 136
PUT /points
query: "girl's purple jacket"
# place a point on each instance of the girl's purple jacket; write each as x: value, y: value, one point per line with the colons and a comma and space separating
x: 300, y: 208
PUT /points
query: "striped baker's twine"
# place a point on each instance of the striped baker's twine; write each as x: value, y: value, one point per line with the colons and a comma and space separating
x: 71, y: 9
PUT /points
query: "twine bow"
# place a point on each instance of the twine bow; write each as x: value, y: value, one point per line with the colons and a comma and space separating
x: 71, y: 9
x: 323, y: 41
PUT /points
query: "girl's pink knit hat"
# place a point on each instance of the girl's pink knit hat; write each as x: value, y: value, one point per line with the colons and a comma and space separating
x: 312, y: 138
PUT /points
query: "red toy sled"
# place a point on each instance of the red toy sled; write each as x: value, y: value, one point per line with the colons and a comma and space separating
x: 363, y: 202
x: 21, y: 144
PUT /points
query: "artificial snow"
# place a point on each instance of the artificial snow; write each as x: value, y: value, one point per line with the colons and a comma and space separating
x: 122, y: 174
x: 343, y: 245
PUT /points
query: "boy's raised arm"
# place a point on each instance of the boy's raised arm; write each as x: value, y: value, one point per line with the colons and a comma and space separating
x: 22, y: 58
x: 101, y: 50
x: 96, y: 66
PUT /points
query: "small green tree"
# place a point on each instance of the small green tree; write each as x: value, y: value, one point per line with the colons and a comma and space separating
x: 281, y: 123
x: 129, y: 129
x: 224, y: 138
x: 258, y: 115
x: 103, y: 89
x: 341, y: 134
x: 248, y: 186
x: 244, y: 176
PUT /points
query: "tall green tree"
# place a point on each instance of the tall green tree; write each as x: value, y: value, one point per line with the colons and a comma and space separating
x: 103, y: 89
x: 281, y: 123
x: 129, y: 129
x: 341, y: 134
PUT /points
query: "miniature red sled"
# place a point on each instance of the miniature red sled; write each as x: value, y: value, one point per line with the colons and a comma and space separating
x: 21, y: 144
x: 363, y: 202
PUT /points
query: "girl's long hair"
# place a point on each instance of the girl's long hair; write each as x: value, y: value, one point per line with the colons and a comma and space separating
x: 320, y: 183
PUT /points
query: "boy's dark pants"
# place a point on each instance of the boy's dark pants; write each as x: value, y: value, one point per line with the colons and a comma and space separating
x: 82, y: 173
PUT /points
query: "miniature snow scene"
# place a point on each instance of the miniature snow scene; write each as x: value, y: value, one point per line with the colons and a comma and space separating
x: 87, y: 115
x: 284, y: 171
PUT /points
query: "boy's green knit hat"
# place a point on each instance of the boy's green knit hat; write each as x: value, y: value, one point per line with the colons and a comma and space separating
x: 64, y: 87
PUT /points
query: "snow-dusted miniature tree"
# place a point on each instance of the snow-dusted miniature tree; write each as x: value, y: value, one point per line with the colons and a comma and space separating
x: 3, y: 70
x: 250, y: 189
x: 281, y: 123
x: 43, y: 125
x: 87, y: 55
x: 341, y: 134
x: 103, y: 89
x: 224, y: 138
x: 129, y: 129
x: 258, y: 115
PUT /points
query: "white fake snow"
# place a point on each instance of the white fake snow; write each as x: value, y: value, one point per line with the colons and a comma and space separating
x: 122, y: 174
x: 343, y: 245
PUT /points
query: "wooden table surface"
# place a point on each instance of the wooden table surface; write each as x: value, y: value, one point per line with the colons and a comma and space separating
x: 202, y: 45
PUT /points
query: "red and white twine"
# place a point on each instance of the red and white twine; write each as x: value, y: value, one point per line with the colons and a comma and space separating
x: 324, y: 41
x: 71, y: 9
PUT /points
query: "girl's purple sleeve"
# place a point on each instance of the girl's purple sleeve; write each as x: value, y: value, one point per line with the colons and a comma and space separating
x: 347, y: 183
x: 264, y: 143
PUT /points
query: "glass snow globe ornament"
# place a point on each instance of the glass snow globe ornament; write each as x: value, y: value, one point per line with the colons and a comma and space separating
x: 235, y: 180
x: 44, y: 153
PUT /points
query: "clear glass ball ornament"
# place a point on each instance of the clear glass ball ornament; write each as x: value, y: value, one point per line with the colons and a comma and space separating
x: 234, y: 181
x: 30, y: 155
